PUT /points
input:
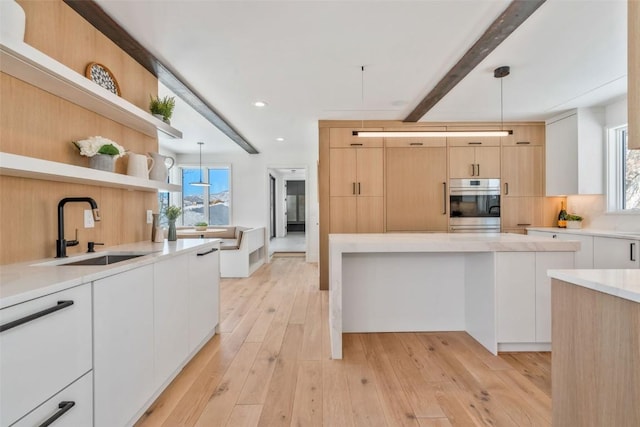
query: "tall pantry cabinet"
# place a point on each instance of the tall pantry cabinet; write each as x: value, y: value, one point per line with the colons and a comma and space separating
x: 356, y: 186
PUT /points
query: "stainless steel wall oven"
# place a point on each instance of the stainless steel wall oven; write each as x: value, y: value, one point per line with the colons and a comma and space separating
x: 474, y: 205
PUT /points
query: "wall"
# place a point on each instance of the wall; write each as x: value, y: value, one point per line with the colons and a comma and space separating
x: 594, y: 208
x: 37, y: 124
x: 250, y: 185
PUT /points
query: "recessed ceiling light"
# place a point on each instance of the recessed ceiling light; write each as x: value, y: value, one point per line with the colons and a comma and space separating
x: 279, y: 139
x: 260, y: 104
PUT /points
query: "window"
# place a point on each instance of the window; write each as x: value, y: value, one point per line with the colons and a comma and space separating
x: 216, y: 197
x: 624, y: 172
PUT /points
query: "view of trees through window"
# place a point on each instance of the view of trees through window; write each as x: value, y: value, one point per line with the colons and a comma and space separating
x: 216, y: 197
x: 631, y: 165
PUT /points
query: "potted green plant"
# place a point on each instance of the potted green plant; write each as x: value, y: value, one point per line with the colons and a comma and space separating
x: 574, y: 221
x: 162, y: 108
x: 201, y: 226
x: 102, y: 152
x: 172, y: 213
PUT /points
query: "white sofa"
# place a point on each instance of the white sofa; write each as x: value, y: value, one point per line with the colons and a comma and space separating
x: 242, y: 250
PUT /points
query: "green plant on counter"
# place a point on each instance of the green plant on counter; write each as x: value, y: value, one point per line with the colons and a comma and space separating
x: 201, y: 224
x: 162, y: 106
x: 572, y: 217
x: 172, y: 212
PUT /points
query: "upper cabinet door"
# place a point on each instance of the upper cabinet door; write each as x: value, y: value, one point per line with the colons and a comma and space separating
x: 525, y: 135
x: 488, y: 162
x: 370, y: 175
x: 522, y: 171
x: 342, y: 172
x: 462, y: 162
x: 344, y: 138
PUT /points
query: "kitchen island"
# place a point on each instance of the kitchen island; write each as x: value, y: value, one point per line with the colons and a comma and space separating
x: 596, y: 347
x: 494, y: 286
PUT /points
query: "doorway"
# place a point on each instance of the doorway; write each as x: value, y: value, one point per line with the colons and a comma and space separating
x: 287, y: 211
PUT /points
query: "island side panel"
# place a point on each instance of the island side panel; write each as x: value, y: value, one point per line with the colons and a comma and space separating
x: 335, y: 301
x: 480, y: 299
x: 402, y: 292
x: 596, y: 353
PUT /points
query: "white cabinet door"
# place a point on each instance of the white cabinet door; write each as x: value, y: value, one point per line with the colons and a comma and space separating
x: 516, y: 295
x: 611, y: 252
x: 547, y: 261
x: 123, y: 345
x: 584, y: 257
x: 204, y: 294
x: 71, y: 407
x: 40, y: 357
x: 170, y: 316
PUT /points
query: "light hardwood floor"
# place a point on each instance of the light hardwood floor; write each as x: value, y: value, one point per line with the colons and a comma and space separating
x: 271, y: 366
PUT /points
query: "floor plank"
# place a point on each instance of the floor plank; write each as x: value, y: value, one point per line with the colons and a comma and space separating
x: 271, y: 366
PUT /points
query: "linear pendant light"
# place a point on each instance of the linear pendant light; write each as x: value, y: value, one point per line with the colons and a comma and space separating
x: 200, y: 183
x: 498, y: 73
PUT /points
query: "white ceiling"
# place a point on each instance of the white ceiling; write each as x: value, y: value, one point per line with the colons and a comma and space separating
x: 303, y: 58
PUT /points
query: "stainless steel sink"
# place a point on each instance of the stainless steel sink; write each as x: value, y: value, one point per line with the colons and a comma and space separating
x: 104, y: 260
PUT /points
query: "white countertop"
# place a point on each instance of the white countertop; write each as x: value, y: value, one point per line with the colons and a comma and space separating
x: 447, y: 242
x: 590, y: 232
x: 25, y: 281
x: 620, y: 283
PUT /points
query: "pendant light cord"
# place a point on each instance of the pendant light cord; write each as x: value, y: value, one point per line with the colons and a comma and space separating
x: 501, y: 107
x: 362, y: 94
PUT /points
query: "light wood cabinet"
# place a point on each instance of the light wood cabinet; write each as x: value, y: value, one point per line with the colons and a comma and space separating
x: 416, y: 188
x: 344, y: 138
x: 474, y: 162
x: 532, y: 135
x: 356, y: 190
x: 522, y: 171
x: 518, y: 213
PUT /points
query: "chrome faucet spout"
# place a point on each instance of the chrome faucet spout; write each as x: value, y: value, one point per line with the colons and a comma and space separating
x: 61, y: 243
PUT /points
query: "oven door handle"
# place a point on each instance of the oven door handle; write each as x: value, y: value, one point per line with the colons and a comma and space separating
x: 475, y: 192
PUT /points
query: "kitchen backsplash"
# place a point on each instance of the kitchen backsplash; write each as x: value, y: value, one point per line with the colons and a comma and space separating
x: 593, y: 210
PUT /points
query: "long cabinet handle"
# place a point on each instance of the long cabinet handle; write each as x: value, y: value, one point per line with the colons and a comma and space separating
x: 506, y: 188
x: 632, y: 251
x: 63, y: 407
x: 208, y: 252
x: 444, y: 198
x: 353, y: 188
x: 358, y: 188
x: 478, y: 164
x: 34, y: 316
x: 473, y: 169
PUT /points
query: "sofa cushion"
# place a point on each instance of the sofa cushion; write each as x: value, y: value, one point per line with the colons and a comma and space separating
x: 232, y: 244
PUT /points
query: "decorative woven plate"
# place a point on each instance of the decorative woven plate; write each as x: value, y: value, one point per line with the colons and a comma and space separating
x: 101, y: 75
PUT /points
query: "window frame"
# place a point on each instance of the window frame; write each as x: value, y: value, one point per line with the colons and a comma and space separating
x: 616, y: 171
x: 176, y: 198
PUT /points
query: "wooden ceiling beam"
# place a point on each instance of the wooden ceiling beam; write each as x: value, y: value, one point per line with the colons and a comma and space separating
x: 515, y: 14
x: 97, y: 17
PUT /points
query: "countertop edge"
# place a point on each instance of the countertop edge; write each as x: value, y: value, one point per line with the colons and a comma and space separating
x: 26, y: 281
x: 622, y: 283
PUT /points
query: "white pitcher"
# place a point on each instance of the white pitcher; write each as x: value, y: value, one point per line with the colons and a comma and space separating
x: 139, y: 165
x: 161, y: 166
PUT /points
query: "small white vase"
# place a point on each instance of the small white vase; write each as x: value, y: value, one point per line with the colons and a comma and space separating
x: 12, y: 21
x: 103, y: 162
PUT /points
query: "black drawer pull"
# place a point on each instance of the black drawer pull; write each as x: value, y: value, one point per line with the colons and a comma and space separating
x: 475, y: 143
x: 415, y: 143
x: 523, y: 142
x: 29, y: 318
x: 353, y: 144
x: 63, y: 407
x: 208, y: 252
x: 522, y: 225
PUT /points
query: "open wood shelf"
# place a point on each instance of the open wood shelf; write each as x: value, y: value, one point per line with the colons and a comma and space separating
x: 30, y: 167
x: 34, y: 67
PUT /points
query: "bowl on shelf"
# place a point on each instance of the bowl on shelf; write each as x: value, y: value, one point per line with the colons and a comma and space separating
x: 200, y: 227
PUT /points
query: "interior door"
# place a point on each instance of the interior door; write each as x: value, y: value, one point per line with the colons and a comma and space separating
x: 295, y: 206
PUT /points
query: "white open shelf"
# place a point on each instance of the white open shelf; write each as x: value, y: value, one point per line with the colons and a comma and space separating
x: 28, y: 64
x: 30, y: 167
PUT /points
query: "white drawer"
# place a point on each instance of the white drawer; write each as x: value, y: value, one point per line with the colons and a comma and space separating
x: 44, y: 355
x: 72, y: 407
